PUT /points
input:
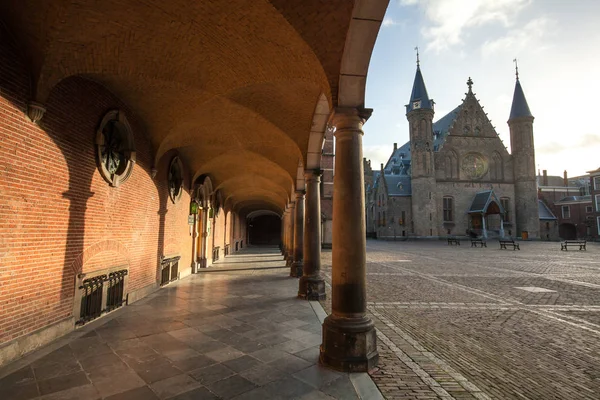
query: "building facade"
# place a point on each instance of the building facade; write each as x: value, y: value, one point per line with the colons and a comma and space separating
x: 455, y: 176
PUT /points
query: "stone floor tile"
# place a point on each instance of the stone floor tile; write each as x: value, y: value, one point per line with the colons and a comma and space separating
x: 287, y: 388
x: 208, y: 375
x: 317, y: 395
x: 19, y: 385
x: 242, y: 363
x: 200, y: 393
x: 292, y: 346
x: 155, y: 370
x: 263, y: 374
x: 87, y: 392
x: 207, y: 346
x: 340, y: 388
x: 175, y: 385
x: 317, y: 376
x: 290, y: 363
x: 98, y: 361
x: 268, y: 354
x: 192, y: 363
x: 62, y: 382
x: 230, y: 387
x: 140, y: 393
x: 224, y: 354
x: 90, y: 346
x: 180, y: 354
x: 248, y: 346
x: 254, y: 394
x: 311, y: 354
x: 113, y: 381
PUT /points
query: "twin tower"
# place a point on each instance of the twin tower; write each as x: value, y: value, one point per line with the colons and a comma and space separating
x: 428, y: 185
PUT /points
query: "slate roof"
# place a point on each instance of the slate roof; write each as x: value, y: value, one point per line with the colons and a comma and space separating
x: 402, y: 157
x: 482, y: 200
x: 570, y: 199
x: 519, y: 106
x: 419, y: 92
x: 545, y: 212
x: 398, y: 185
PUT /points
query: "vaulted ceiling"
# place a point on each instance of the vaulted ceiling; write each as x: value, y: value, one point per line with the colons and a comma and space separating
x: 241, y: 88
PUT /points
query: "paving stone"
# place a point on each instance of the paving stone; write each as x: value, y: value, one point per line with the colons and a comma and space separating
x: 268, y: 354
x: 287, y: 388
x: 242, y: 363
x: 87, y: 392
x: 290, y: 363
x: 208, y: 375
x: 196, y: 394
x: 175, y: 385
x: 140, y: 393
x: 224, y: 354
x: 317, y: 376
x: 192, y: 363
x: 231, y: 387
x: 62, y: 382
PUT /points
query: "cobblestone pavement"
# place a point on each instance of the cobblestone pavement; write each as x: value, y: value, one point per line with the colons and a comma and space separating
x: 237, y: 334
x: 462, y: 322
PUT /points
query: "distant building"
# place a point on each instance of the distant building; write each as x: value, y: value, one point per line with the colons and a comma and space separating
x: 595, y: 197
x: 456, y: 175
x: 570, y: 200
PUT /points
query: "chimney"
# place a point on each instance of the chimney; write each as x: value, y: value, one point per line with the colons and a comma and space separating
x: 395, y: 146
x: 545, y: 178
x: 565, y: 180
x: 382, y: 166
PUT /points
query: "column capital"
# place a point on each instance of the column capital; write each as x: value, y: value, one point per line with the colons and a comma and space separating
x: 313, y: 172
x: 350, y: 117
x: 300, y: 193
x: 35, y: 111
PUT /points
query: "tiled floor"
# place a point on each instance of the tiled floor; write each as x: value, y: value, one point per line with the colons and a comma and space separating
x: 237, y: 334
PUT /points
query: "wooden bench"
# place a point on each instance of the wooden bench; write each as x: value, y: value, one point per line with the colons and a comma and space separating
x: 481, y: 242
x: 453, y: 240
x: 565, y: 244
x: 511, y: 242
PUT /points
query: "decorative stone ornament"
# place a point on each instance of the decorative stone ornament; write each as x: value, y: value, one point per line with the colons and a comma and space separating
x: 115, y: 150
x: 175, y: 179
x: 35, y: 111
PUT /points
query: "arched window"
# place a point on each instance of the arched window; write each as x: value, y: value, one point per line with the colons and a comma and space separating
x: 115, y: 150
x: 448, y: 207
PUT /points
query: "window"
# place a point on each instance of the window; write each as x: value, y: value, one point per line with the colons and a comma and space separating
x: 115, y: 151
x: 566, y: 212
x: 589, y: 209
x: 402, y: 218
x: 597, y: 197
x: 598, y: 224
x: 597, y: 183
x: 448, y: 206
x: 505, y: 203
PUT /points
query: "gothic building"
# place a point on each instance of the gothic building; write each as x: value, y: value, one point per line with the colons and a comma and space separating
x: 455, y: 175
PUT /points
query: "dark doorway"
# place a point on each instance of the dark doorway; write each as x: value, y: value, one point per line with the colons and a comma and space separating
x: 265, y: 229
x: 567, y: 231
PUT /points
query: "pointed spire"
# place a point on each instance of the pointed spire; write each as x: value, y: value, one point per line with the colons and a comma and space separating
x: 519, y: 108
x: 419, y: 99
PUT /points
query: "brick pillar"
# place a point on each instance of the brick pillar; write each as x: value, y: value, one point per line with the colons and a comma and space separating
x: 312, y: 286
x: 349, y: 340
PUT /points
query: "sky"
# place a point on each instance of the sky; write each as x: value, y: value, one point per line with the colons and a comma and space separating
x: 556, y: 44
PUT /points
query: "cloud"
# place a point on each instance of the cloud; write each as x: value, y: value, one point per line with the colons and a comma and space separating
x: 588, y: 140
x: 517, y: 40
x: 377, y: 154
x: 388, y: 21
x: 451, y: 19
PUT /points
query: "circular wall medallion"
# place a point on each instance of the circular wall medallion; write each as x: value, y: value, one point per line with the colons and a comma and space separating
x: 115, y: 151
x: 474, y: 165
x: 175, y: 179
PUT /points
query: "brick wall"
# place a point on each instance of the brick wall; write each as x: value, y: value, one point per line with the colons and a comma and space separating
x: 58, y: 216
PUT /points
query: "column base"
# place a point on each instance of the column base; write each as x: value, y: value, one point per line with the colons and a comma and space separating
x: 312, y: 288
x: 296, y: 269
x: 349, y: 344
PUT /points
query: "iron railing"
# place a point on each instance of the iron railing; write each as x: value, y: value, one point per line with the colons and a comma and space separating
x: 216, y: 253
x: 227, y: 249
x: 93, y: 302
x: 169, y: 270
x: 116, y: 287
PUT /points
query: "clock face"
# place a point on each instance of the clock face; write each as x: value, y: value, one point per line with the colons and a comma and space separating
x: 416, y: 104
x: 474, y: 165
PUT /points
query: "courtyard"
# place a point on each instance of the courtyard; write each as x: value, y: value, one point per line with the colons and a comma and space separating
x: 463, y: 322
x: 452, y: 322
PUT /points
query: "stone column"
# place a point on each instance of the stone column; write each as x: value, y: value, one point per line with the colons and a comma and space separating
x: 194, y: 265
x: 290, y: 232
x: 286, y: 232
x: 349, y: 340
x: 282, y: 234
x: 312, y: 286
x: 296, y: 268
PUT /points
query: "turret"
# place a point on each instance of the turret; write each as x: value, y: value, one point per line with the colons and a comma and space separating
x: 520, y: 124
x: 419, y: 112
